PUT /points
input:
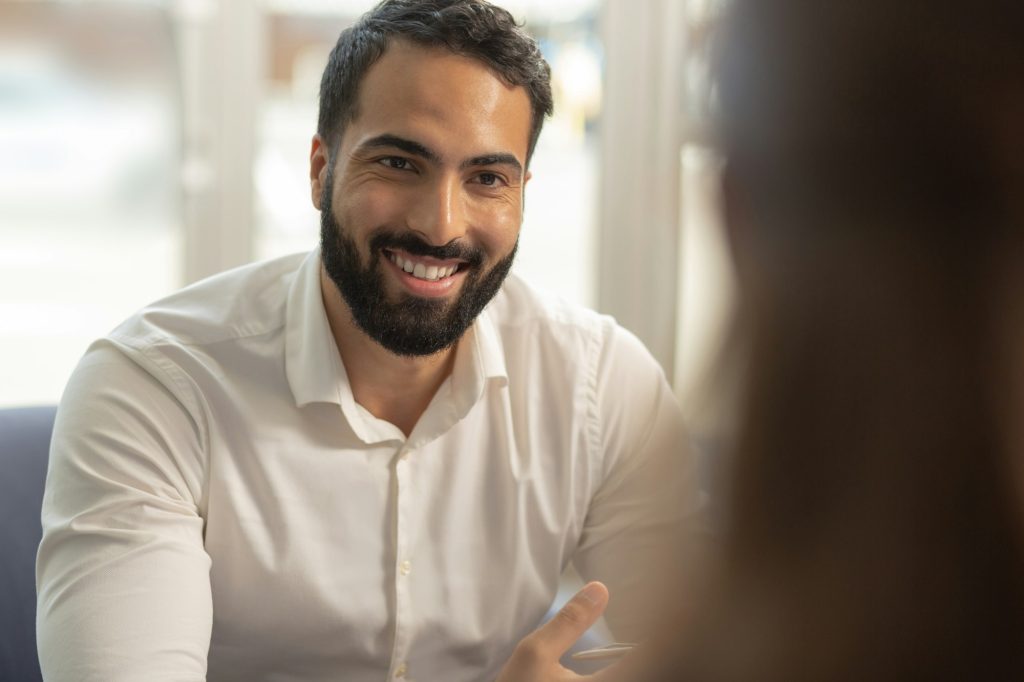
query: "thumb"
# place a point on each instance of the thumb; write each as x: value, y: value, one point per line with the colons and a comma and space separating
x: 568, y: 625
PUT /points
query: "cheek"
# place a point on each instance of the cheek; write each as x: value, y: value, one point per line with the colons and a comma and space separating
x: 496, y: 227
x: 366, y: 206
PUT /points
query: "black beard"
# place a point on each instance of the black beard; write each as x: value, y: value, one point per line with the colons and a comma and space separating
x: 410, y: 326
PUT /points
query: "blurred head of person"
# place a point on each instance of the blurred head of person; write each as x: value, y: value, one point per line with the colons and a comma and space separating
x: 874, y: 199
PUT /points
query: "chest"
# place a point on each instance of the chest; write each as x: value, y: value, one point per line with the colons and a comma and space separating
x: 341, y: 555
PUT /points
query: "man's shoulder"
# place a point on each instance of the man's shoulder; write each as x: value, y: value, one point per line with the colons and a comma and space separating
x: 554, y: 326
x: 242, y: 302
x: 520, y: 304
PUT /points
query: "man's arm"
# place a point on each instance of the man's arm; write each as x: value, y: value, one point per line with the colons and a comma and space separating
x: 644, y: 511
x: 122, y: 576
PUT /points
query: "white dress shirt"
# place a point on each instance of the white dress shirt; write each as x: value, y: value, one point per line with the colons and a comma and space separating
x: 219, y: 507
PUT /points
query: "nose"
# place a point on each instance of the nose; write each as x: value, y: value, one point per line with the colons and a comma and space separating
x: 438, y: 213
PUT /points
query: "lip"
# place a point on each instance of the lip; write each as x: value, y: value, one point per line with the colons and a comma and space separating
x: 421, y: 287
x: 428, y: 260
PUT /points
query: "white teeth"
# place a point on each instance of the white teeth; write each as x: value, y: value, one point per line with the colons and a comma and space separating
x: 430, y: 273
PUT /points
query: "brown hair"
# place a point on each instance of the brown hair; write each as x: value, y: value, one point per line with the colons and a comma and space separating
x: 873, y: 525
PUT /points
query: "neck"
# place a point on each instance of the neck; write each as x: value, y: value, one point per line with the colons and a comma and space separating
x: 391, y: 387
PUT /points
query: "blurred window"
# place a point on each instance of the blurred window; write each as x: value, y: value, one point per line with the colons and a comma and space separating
x: 88, y: 163
x: 125, y: 138
x: 707, y: 282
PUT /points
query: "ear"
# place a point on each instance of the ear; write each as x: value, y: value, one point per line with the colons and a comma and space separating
x: 522, y: 191
x: 319, y: 158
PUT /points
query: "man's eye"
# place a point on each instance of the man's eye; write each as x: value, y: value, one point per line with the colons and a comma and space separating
x: 488, y: 179
x: 396, y: 162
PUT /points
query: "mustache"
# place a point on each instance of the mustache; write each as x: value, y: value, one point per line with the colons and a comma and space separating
x: 414, y: 245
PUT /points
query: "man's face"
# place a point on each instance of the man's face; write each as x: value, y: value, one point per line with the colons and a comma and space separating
x: 422, y: 203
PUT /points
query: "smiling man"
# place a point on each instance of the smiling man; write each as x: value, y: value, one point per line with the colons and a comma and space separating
x: 421, y: 200
x: 372, y: 461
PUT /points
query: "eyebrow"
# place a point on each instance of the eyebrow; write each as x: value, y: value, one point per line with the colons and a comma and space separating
x: 424, y: 152
x: 497, y: 159
x: 408, y: 146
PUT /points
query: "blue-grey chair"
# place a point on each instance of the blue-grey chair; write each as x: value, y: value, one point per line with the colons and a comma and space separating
x: 24, y: 446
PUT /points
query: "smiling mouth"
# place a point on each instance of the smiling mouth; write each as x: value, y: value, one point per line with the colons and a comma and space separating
x: 429, y: 271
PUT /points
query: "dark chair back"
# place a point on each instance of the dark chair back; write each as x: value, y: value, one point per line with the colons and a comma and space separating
x: 24, y: 446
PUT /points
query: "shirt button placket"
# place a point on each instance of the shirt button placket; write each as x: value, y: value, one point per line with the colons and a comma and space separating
x: 403, y: 568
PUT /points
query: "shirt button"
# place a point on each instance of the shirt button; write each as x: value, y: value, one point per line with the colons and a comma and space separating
x: 401, y: 670
x: 405, y: 567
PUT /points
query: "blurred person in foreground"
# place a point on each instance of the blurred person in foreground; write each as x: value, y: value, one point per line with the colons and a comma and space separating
x: 874, y: 195
x: 373, y: 461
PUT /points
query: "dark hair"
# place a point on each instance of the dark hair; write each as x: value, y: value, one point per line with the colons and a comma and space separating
x: 472, y: 28
x: 851, y: 112
x: 873, y: 528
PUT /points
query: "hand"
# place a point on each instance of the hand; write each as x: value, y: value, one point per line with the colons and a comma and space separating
x: 536, y: 656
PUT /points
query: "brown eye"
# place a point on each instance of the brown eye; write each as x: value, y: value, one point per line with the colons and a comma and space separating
x: 396, y: 162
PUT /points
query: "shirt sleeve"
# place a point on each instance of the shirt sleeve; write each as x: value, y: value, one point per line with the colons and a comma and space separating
x: 122, y: 577
x: 645, y: 505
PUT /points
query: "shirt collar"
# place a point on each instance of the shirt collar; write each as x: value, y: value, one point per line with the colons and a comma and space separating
x: 313, y: 365
x: 479, y: 361
x: 479, y: 358
x: 316, y: 373
x: 311, y: 357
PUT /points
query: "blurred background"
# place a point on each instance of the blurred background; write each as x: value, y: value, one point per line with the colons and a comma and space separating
x: 145, y: 144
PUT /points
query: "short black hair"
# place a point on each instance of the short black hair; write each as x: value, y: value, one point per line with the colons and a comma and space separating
x: 472, y: 28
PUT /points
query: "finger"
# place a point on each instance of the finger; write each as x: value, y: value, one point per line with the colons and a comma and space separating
x: 568, y: 625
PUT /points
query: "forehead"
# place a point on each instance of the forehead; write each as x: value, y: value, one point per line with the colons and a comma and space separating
x: 446, y: 101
